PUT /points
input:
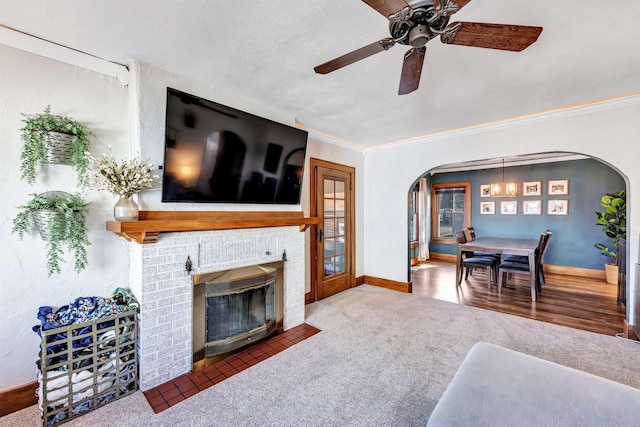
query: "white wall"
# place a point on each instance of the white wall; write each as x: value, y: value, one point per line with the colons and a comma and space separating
x: 609, y: 132
x: 28, y: 83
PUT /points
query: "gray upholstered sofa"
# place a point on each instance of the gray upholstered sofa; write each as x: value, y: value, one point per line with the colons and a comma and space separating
x: 496, y: 387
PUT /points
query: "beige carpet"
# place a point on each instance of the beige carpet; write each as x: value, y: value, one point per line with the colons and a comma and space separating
x: 383, y: 358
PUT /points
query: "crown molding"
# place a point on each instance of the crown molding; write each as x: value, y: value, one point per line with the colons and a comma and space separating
x: 331, y: 139
x: 496, y: 163
x: 556, y: 114
x: 28, y: 43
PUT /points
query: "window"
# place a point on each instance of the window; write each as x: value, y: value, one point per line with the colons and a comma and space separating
x: 414, y: 226
x: 450, y: 210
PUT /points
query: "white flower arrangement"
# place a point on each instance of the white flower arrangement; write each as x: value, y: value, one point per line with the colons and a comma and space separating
x: 122, y: 179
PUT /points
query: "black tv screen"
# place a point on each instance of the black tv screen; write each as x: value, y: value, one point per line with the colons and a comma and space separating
x: 215, y: 153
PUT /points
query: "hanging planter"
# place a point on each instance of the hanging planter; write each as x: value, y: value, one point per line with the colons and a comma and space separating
x: 59, y: 148
x: 53, y: 139
x: 60, y: 219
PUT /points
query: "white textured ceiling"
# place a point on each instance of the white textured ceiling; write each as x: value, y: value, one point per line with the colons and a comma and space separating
x: 265, y: 50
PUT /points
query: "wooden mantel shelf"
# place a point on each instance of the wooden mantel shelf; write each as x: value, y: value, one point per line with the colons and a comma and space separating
x: 151, y: 223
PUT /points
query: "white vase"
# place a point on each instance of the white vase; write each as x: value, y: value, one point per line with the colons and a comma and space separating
x: 125, y: 209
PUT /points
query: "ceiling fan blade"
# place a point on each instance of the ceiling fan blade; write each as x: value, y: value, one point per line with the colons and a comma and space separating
x: 387, y: 7
x: 411, y: 70
x: 356, y: 55
x: 491, y: 36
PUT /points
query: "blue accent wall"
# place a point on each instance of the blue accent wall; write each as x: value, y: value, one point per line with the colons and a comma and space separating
x: 573, y: 235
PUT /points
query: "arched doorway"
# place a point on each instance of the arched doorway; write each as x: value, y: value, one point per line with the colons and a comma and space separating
x: 572, y: 259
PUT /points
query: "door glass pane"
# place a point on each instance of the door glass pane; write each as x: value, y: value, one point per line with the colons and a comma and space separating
x: 340, y: 208
x: 329, y: 188
x: 339, y: 264
x: 339, y: 189
x: 340, y: 227
x: 329, y: 267
x: 329, y: 228
x: 340, y: 245
x: 329, y: 247
x: 328, y: 208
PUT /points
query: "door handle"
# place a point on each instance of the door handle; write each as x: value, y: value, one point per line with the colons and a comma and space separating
x: 319, y: 235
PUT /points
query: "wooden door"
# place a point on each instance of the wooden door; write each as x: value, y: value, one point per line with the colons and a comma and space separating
x: 333, y: 251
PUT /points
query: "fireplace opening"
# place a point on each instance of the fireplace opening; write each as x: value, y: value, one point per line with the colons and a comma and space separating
x: 234, y: 309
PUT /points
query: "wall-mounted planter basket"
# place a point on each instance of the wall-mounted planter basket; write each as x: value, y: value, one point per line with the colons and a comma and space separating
x: 48, y: 138
x: 59, y: 148
x: 42, y: 219
x: 60, y: 219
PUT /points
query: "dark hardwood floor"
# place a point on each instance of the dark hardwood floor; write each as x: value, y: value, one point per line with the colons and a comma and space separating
x: 576, y: 302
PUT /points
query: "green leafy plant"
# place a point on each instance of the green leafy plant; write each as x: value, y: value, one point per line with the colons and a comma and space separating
x: 34, y: 138
x: 613, y: 221
x: 66, y: 225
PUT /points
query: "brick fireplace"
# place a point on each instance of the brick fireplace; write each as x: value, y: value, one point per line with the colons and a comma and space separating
x: 160, y: 281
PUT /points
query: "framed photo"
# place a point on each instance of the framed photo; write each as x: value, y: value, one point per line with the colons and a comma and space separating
x: 485, y: 190
x: 532, y: 207
x: 509, y: 208
x: 487, y: 208
x: 532, y: 188
x: 557, y: 207
x: 558, y: 187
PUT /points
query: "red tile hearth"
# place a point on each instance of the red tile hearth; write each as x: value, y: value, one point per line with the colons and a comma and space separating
x: 175, y: 391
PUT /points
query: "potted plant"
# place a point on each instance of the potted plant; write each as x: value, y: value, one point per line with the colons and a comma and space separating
x: 124, y: 179
x: 60, y: 219
x: 53, y: 139
x: 613, y: 221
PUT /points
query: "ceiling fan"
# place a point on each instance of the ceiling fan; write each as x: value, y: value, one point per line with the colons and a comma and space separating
x: 423, y: 20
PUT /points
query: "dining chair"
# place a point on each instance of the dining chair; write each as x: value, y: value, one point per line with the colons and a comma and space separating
x: 488, y: 263
x: 471, y: 261
x: 507, y: 267
x: 522, y: 259
x: 462, y: 238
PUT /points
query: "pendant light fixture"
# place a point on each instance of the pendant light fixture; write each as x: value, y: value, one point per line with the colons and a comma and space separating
x: 504, y: 188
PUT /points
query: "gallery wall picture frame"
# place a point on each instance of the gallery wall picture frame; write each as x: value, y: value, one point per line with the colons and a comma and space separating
x: 487, y: 208
x: 485, y: 190
x: 558, y: 187
x: 532, y: 188
x: 557, y: 207
x: 532, y: 207
x: 509, y: 207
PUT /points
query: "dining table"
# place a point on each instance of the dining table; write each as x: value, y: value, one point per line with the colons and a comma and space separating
x: 501, y: 245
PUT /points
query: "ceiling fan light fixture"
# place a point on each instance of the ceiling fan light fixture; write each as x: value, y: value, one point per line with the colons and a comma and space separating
x: 419, y: 35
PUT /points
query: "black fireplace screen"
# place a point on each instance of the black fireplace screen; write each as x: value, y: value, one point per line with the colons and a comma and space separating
x: 235, y: 308
x: 236, y: 314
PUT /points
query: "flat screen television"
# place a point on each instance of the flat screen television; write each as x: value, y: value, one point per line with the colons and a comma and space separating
x: 217, y: 154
